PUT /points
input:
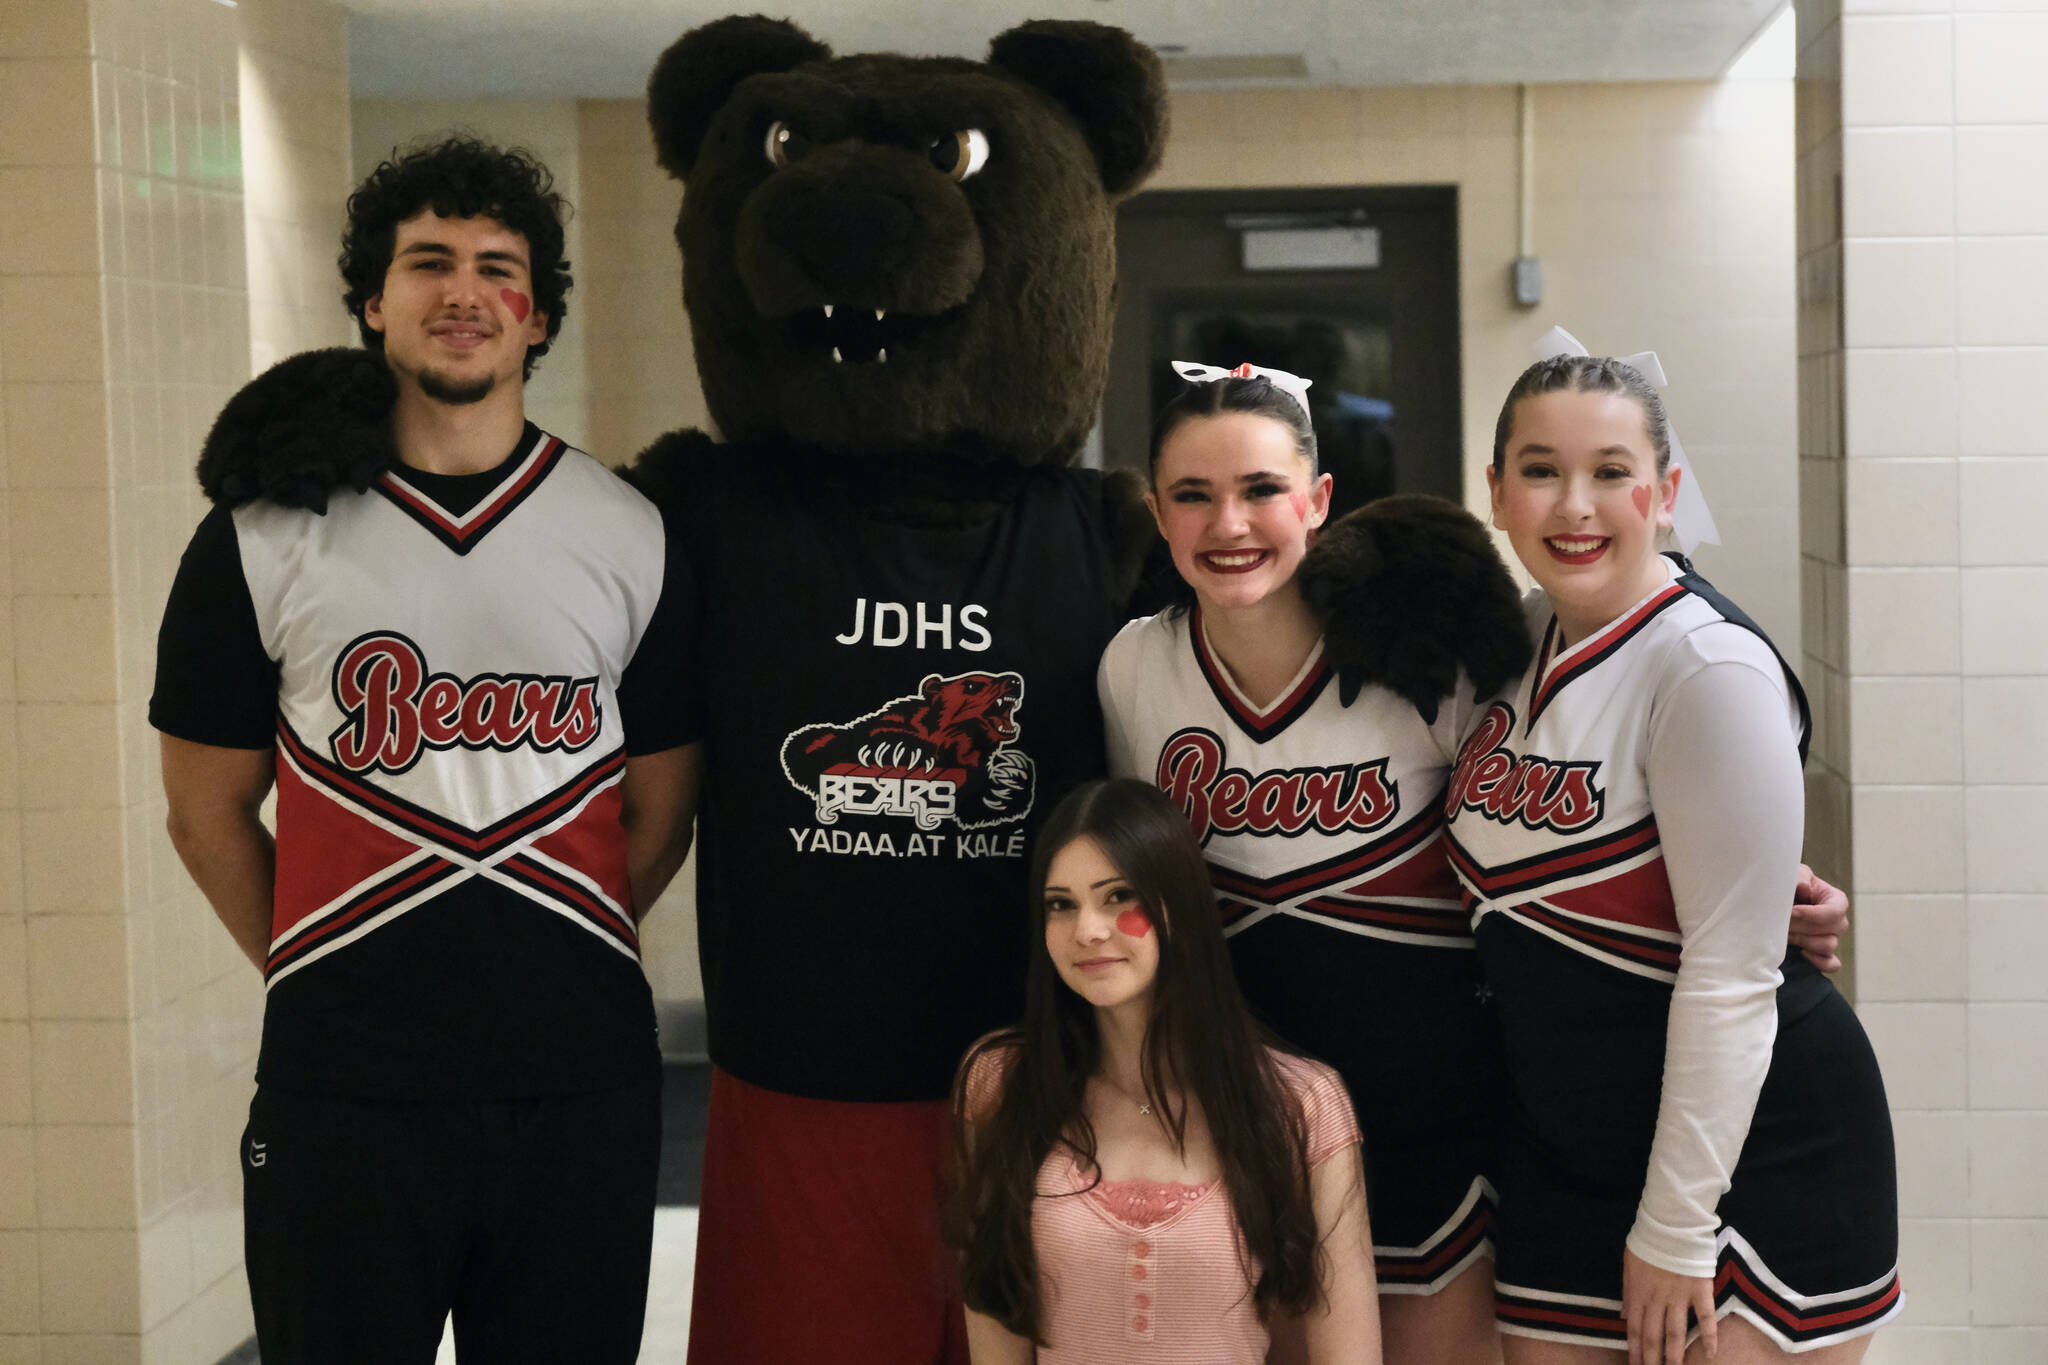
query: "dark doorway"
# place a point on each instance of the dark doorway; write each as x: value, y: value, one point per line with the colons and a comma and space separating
x: 1380, y: 342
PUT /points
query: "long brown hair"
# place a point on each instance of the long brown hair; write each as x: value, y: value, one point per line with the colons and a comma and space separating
x: 1201, y: 1041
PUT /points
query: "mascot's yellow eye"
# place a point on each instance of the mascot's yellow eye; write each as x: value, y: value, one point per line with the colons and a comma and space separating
x: 960, y: 154
x: 784, y: 144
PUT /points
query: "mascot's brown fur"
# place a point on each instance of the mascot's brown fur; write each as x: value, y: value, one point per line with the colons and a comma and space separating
x: 969, y: 305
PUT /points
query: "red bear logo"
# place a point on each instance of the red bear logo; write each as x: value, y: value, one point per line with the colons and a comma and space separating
x: 942, y: 754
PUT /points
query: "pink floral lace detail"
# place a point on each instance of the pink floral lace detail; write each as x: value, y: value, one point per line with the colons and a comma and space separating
x: 1145, y: 1203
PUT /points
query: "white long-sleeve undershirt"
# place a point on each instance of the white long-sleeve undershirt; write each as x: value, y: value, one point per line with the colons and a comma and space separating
x: 1725, y: 785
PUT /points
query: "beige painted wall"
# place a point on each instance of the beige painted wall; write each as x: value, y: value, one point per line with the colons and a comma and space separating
x: 643, y: 368
x: 1664, y: 220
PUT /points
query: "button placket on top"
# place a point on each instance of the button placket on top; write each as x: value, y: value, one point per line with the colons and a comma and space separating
x: 1139, y: 1325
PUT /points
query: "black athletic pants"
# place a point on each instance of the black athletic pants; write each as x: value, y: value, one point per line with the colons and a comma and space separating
x: 367, y: 1222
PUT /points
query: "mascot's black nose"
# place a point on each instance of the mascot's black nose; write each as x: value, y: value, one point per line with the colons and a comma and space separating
x: 841, y: 238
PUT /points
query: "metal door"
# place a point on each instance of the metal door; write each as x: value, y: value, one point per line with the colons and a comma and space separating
x: 1380, y: 340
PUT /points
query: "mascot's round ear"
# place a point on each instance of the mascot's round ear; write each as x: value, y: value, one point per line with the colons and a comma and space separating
x: 696, y: 76
x: 1109, y: 81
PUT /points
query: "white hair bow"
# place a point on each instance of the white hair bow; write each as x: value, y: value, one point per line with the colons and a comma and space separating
x: 1293, y: 385
x: 1690, y: 518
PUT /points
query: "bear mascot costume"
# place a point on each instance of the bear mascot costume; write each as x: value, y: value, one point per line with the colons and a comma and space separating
x: 900, y: 278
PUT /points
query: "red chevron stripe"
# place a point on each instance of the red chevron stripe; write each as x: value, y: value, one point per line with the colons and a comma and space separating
x: 1274, y: 717
x: 437, y: 828
x: 1557, y: 866
x: 574, y: 895
x: 377, y: 900
x: 1644, y: 954
x: 1595, y: 647
x: 394, y: 485
x: 1565, y: 1317
x: 1757, y: 1297
x: 1462, y: 1239
x: 1641, y: 897
x: 1395, y: 917
x: 1324, y: 876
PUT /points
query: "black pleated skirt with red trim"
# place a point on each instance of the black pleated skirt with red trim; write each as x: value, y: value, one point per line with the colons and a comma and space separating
x: 1808, y: 1242
x: 1407, y: 1028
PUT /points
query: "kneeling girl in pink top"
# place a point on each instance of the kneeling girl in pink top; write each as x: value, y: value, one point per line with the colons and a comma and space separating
x: 1138, y: 1173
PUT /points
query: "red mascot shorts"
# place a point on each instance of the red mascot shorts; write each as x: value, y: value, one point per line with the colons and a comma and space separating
x: 818, y: 1238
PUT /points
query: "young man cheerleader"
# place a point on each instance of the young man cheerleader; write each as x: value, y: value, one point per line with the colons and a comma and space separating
x: 462, y: 681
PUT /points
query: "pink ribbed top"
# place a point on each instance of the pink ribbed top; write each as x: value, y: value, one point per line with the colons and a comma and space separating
x: 1142, y: 1270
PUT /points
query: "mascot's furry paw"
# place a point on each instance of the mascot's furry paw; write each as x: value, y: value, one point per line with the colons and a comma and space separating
x: 1411, y: 589
x: 664, y: 470
x: 301, y: 429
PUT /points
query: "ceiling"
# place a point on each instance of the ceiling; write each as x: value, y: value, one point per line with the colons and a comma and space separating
x: 552, y: 49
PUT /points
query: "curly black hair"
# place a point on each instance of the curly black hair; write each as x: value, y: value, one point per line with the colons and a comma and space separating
x: 458, y: 177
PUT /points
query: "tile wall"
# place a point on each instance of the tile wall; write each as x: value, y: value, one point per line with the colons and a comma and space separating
x: 296, y: 173
x: 1923, y: 136
x: 127, y: 1020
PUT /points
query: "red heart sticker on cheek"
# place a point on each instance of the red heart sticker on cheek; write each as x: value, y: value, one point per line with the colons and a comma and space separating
x: 1641, y: 494
x: 1133, y: 924
x: 517, y: 302
x: 1300, y: 502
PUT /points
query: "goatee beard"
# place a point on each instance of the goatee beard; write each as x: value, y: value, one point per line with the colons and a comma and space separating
x: 439, y: 387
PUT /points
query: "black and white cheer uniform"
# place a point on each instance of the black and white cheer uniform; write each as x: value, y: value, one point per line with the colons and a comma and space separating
x: 1323, y: 829
x: 1626, y: 823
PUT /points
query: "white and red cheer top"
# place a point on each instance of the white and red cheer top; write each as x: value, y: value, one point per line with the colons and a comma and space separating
x: 1636, y: 799
x: 1294, y: 817
x: 447, y: 657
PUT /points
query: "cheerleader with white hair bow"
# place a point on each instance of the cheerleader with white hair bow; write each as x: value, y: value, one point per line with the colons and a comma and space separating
x: 1699, y: 1146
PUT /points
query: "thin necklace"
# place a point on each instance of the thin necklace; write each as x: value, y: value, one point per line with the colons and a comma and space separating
x: 1143, y: 1107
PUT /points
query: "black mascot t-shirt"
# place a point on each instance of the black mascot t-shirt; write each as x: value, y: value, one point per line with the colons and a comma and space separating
x: 904, y: 704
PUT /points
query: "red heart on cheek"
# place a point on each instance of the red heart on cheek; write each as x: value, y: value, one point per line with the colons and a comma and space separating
x: 1133, y: 924
x: 1300, y: 502
x: 1641, y: 494
x: 517, y: 302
